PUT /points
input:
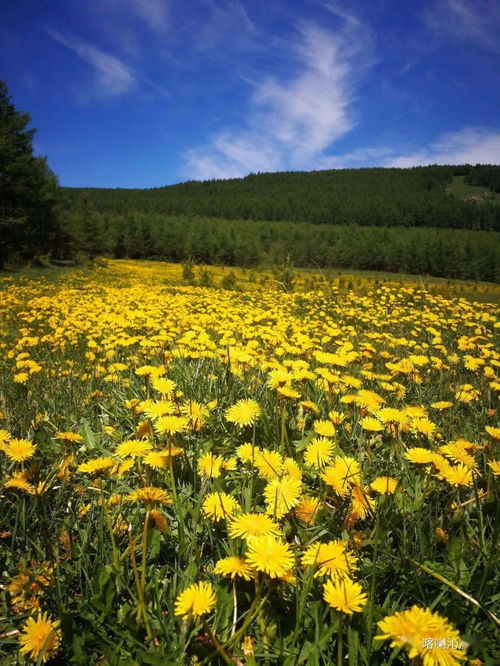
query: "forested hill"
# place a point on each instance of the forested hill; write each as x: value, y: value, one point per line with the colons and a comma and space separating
x: 415, y: 197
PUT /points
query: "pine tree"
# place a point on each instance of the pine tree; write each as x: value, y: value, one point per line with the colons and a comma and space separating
x: 28, y: 189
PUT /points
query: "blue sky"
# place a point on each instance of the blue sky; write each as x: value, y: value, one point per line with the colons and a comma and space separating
x: 143, y: 93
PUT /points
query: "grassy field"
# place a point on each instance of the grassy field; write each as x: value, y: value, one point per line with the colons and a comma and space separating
x: 464, y: 191
x: 260, y: 475
x: 257, y: 279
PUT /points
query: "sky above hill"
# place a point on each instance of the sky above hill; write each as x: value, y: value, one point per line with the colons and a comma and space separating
x: 143, y: 93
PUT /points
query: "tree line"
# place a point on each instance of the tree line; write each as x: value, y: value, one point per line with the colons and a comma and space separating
x: 484, y: 175
x: 451, y: 253
x: 415, y: 197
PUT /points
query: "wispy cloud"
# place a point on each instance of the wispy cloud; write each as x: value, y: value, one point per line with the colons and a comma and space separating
x: 475, y: 21
x: 112, y: 76
x: 470, y: 145
x: 153, y: 12
x: 291, y: 120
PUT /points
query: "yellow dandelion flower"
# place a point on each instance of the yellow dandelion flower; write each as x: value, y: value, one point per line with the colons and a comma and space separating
x: 20, y: 450
x: 344, y: 473
x: 149, y: 495
x: 159, y: 520
x: 5, y: 436
x: 156, y: 459
x: 247, y: 647
x: 269, y: 463
x: 493, y: 432
x: 371, y: 424
x: 385, y: 485
x: 21, y: 377
x: 424, y: 427
x: 442, y: 404
x: 281, y: 495
x: 310, y: 405
x: 133, y: 448
x: 210, y: 465
x: 19, y: 481
x: 69, y: 437
x: 424, y: 634
x: 494, y: 465
x: 270, y: 555
x: 337, y: 418
x: 63, y: 467
x: 219, y: 505
x: 154, y: 410
x: 171, y: 424
x: 243, y: 413
x: 97, y: 465
x: 391, y: 415
x: 230, y: 464
x: 288, y: 392
x: 233, y: 567
x: 247, y: 452
x: 324, y: 428
x: 307, y: 508
x: 419, y: 455
x: 248, y: 525
x: 291, y: 468
x: 40, y: 637
x: 457, y: 452
x: 332, y: 559
x: 344, y: 595
x: 122, y: 468
x: 362, y: 504
x: 197, y: 414
x: 163, y: 385
x: 318, y: 452
x: 457, y: 475
x: 196, y: 600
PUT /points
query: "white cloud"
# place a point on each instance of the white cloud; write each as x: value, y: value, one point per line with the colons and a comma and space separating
x: 471, y: 145
x: 291, y: 121
x: 113, y: 77
x: 476, y: 21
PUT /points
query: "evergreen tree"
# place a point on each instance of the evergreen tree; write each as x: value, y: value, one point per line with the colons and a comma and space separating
x: 28, y: 189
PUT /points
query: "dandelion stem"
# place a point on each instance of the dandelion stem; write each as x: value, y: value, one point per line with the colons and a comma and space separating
x: 340, y: 641
x: 140, y: 593
x: 235, y: 608
x: 220, y: 650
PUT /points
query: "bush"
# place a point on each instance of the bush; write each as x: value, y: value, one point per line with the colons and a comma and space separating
x: 205, y: 279
x: 82, y: 259
x: 229, y: 281
x: 188, y: 271
x: 42, y: 260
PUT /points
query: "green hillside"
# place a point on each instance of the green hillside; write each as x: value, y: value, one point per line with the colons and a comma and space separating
x: 417, y: 197
x: 365, y: 219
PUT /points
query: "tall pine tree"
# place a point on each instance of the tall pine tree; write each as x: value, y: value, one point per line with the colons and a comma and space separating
x: 28, y: 189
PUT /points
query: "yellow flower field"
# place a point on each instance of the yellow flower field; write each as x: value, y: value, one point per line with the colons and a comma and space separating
x: 195, y: 475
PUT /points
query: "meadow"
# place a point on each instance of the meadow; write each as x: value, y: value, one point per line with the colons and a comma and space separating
x: 296, y: 470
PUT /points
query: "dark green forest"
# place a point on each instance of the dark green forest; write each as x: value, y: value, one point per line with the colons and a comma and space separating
x: 413, y: 197
x: 440, y: 252
x: 401, y: 220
